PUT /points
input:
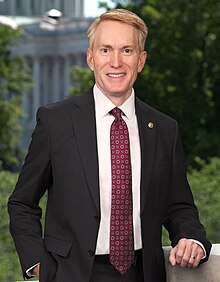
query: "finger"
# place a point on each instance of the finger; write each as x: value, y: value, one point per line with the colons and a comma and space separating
x: 192, y: 261
x: 183, y: 252
x: 176, y: 253
x: 198, y: 252
x: 187, y: 258
x: 172, y: 256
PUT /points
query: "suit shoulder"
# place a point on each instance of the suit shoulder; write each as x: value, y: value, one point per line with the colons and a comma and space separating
x: 66, y: 105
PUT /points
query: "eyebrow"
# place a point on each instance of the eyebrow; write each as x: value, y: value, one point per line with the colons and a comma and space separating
x: 110, y: 46
x: 105, y: 45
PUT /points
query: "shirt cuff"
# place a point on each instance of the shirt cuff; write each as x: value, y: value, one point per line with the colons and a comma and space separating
x: 29, y: 271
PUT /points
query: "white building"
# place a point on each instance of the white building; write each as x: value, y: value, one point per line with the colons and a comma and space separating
x: 51, y: 46
x: 30, y: 8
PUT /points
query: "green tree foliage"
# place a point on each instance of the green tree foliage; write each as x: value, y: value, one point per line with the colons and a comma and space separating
x: 205, y: 185
x: 9, y: 264
x: 10, y: 269
x: 82, y: 80
x: 14, y: 78
x: 204, y: 181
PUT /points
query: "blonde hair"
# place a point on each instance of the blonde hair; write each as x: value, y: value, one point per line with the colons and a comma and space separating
x: 123, y: 16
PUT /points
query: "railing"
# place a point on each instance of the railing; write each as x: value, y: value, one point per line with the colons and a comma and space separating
x: 207, y: 272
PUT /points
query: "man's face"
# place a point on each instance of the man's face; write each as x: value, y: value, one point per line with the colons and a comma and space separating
x: 116, y: 58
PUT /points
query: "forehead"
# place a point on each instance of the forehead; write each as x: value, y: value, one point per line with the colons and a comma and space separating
x: 115, y: 32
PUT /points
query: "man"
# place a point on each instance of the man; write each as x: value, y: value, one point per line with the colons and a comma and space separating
x: 114, y: 171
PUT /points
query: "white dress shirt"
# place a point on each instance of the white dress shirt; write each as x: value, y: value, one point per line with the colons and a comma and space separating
x: 103, y: 123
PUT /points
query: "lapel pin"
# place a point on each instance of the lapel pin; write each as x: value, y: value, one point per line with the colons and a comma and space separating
x: 150, y: 125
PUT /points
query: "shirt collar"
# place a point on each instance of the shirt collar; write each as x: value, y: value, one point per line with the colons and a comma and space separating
x: 103, y: 105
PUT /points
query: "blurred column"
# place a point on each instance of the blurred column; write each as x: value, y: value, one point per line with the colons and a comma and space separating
x: 42, y: 7
x: 26, y: 7
x: 77, y: 13
x: 81, y: 10
x: 36, y: 90
x: 45, y: 80
x: 78, y: 60
x: 56, y: 4
x: 12, y: 7
x: 37, y: 8
x: 72, y: 8
x: 25, y: 104
x: 56, y: 94
x: 65, y: 8
x: 66, y: 76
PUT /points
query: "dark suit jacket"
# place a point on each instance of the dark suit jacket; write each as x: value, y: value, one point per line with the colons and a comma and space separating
x: 62, y: 159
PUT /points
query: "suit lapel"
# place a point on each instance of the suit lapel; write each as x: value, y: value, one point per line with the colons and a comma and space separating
x: 84, y: 125
x: 147, y: 132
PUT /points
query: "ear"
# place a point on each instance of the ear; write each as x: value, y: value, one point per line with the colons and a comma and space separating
x: 142, y: 60
x: 89, y: 58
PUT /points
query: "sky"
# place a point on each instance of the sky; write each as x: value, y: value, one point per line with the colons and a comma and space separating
x: 91, y: 7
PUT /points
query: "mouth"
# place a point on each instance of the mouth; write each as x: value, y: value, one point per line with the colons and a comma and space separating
x: 115, y: 75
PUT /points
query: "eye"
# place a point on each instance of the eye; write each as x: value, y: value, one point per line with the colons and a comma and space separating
x: 127, y: 51
x: 104, y: 51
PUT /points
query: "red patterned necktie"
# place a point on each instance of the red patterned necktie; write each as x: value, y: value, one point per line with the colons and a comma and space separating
x: 121, y: 222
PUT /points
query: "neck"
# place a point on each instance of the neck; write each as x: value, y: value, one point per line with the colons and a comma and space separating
x: 118, y: 99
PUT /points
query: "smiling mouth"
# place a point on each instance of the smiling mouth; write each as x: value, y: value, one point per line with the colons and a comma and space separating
x: 115, y: 75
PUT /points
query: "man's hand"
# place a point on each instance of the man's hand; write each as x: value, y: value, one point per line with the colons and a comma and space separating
x: 186, y: 254
x: 36, y: 270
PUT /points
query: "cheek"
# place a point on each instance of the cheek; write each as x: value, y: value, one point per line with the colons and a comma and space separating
x: 135, y: 70
x: 133, y: 65
x: 100, y: 67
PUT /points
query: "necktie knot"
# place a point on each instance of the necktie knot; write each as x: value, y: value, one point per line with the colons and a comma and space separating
x: 116, y: 112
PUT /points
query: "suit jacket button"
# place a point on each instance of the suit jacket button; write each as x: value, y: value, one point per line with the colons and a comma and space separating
x: 90, y: 253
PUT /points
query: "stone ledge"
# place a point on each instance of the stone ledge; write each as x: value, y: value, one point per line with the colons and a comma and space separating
x: 207, y: 272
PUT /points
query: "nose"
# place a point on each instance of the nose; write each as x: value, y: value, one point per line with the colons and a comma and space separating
x: 116, y: 60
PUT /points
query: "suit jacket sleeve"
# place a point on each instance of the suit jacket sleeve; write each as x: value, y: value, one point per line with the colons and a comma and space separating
x: 23, y: 205
x: 182, y: 219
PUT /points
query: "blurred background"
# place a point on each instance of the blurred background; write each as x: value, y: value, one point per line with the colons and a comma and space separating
x: 43, y: 59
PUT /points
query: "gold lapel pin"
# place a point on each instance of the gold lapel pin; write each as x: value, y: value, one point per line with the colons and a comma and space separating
x: 150, y: 124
